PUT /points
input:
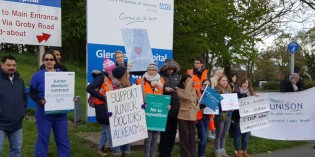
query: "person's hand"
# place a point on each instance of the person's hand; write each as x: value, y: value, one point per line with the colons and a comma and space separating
x: 108, y: 114
x: 169, y: 107
x: 144, y: 106
x: 154, y: 83
x: 75, y: 99
x: 43, y: 102
x: 169, y: 89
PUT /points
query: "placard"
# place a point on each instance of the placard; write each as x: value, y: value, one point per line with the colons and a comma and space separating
x: 229, y: 102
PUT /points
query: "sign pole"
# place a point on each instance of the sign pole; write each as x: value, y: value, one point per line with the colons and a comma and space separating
x: 40, y: 53
x: 292, y: 64
x: 293, y: 48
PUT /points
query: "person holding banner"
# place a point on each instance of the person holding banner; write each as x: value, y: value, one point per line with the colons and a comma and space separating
x: 187, y: 114
x: 151, y: 83
x: 222, y: 121
x: 46, y: 122
x: 169, y: 72
x: 243, y: 90
x: 98, y: 88
x: 121, y: 80
x: 233, y: 83
x: 203, y: 123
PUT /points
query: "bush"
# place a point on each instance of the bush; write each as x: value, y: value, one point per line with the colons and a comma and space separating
x: 272, y: 85
x: 309, y: 84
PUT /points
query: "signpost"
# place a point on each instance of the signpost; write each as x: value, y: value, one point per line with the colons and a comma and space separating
x: 31, y: 22
x: 293, y: 48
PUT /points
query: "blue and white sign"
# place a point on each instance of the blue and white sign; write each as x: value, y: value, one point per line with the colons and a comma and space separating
x: 36, y: 22
x: 107, y: 22
x: 293, y: 47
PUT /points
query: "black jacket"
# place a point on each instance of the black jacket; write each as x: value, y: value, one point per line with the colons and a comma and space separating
x: 100, y: 110
x: 13, y: 102
x: 172, y: 81
x: 286, y: 86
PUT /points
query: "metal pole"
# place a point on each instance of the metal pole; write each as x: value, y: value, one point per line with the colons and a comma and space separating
x: 39, y: 55
x: 292, y: 63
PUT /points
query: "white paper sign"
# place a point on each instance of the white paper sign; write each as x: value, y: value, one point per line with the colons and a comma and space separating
x: 59, y: 92
x: 291, y: 117
x: 137, y: 48
x: 128, y: 123
x: 208, y: 110
x: 254, y: 122
x: 253, y: 105
x: 229, y: 102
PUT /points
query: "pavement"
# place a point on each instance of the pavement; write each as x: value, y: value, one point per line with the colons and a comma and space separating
x: 298, y: 151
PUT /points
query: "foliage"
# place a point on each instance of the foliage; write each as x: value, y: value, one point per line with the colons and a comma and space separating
x: 309, y: 84
x: 271, y: 85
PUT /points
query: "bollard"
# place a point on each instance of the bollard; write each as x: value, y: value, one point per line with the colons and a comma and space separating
x: 77, y: 111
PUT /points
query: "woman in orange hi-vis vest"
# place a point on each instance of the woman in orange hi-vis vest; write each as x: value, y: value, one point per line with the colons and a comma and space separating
x: 151, y: 83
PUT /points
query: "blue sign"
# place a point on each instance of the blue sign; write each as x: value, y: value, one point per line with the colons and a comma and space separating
x: 211, y: 98
x: 51, y: 3
x: 293, y: 47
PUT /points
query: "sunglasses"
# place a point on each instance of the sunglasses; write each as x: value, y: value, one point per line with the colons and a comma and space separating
x: 49, y: 59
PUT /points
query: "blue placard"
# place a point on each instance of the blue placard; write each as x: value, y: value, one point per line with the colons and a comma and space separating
x: 293, y: 47
x: 211, y: 98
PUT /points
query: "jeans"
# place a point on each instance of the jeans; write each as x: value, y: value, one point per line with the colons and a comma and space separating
x: 222, y: 128
x: 103, y: 138
x: 15, y: 140
x: 119, y: 149
x: 238, y: 135
x: 203, y: 131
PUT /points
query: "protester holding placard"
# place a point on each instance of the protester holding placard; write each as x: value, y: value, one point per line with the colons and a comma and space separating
x: 151, y: 83
x: 46, y: 122
x: 121, y: 80
x: 243, y: 90
x: 222, y: 121
x: 233, y: 82
x: 98, y: 88
x: 188, y: 109
x: 169, y: 72
x: 203, y: 123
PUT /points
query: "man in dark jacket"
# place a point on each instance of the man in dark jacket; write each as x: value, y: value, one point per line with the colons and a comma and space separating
x: 13, y: 103
x: 169, y: 71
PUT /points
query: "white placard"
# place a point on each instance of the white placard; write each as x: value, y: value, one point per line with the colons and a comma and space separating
x: 59, y: 92
x: 291, y: 116
x: 128, y: 123
x: 254, y: 122
x: 253, y: 105
x: 31, y: 22
x: 208, y: 110
x: 229, y: 102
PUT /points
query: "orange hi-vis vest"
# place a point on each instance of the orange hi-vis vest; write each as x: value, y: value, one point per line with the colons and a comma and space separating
x: 197, y: 83
x: 106, y: 86
x: 146, y: 87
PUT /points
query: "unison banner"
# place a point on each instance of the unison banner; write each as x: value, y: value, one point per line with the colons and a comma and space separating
x: 292, y: 116
x: 128, y: 123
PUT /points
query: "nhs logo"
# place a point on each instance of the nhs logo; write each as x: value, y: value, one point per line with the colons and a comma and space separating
x: 165, y: 6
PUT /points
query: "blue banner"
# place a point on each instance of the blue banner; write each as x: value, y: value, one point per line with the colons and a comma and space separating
x: 51, y: 3
x: 211, y: 98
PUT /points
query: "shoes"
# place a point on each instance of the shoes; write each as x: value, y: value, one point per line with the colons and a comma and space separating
x: 238, y: 154
x: 101, y: 153
x: 245, y: 154
x: 224, y: 154
x: 211, y: 135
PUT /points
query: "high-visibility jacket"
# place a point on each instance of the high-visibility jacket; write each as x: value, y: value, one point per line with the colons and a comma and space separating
x: 147, y: 88
x: 106, y: 86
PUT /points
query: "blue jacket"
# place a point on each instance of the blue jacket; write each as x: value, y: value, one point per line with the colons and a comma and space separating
x: 13, y: 102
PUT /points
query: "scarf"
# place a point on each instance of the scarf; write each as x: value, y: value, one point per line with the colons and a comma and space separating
x: 157, y: 78
x: 244, y: 91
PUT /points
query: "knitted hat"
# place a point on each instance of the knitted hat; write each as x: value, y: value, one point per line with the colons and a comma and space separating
x: 108, y: 65
x: 152, y: 67
x: 119, y: 72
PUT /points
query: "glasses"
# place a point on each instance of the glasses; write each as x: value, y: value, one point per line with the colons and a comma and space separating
x: 46, y: 59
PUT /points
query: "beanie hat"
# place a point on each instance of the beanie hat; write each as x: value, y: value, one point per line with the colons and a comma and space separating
x: 108, y: 65
x: 152, y: 67
x: 119, y: 72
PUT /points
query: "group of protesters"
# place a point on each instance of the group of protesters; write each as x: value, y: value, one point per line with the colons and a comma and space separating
x: 184, y: 112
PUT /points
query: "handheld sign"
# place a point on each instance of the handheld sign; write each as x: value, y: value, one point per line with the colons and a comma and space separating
x: 229, y: 102
x: 211, y: 98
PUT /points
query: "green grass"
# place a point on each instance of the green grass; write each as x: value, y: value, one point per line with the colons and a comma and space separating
x: 27, y: 66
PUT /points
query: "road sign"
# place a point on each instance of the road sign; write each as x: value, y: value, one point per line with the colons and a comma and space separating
x: 293, y: 47
x: 30, y: 22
